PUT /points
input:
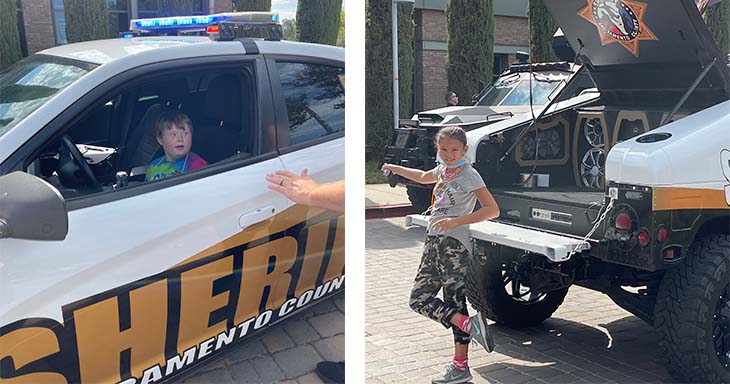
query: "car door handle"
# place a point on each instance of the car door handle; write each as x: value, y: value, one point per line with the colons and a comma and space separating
x: 257, y: 215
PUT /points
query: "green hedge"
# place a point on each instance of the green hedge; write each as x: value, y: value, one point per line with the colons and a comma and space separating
x: 318, y: 21
x: 378, y: 72
x: 470, y: 56
x: 718, y: 20
x: 9, y: 39
x: 87, y: 20
x: 542, y: 29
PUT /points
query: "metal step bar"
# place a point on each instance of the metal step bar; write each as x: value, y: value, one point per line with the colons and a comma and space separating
x: 556, y: 248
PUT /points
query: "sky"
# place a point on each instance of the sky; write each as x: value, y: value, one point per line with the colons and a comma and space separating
x: 288, y: 8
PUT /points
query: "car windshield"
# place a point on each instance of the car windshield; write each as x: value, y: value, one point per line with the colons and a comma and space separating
x: 515, y: 90
x: 27, y: 85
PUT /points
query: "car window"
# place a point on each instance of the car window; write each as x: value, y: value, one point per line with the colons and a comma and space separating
x: 28, y: 84
x: 158, y: 127
x: 315, y: 99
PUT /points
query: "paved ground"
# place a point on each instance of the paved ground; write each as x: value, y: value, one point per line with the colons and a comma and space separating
x: 285, y: 353
x: 588, y: 340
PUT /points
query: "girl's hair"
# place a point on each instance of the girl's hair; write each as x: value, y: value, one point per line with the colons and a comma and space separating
x: 452, y: 132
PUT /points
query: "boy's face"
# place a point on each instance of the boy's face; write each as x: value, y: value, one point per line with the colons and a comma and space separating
x: 176, y: 141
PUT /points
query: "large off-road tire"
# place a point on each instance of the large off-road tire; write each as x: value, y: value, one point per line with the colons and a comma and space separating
x: 692, y: 313
x: 420, y: 198
x: 486, y: 289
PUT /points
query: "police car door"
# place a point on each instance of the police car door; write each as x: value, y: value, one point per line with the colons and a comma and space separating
x: 152, y: 277
x: 310, y: 132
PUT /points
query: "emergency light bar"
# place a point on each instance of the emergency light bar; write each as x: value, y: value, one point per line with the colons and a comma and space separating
x: 219, y: 26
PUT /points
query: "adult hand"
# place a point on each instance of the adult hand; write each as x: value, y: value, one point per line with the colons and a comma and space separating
x: 296, y: 188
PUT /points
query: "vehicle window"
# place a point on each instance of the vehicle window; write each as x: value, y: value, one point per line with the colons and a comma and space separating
x: 163, y: 126
x: 28, y: 84
x: 499, y: 90
x: 315, y: 100
x: 540, y: 92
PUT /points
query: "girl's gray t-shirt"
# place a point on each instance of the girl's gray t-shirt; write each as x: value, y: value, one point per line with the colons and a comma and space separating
x: 456, y: 198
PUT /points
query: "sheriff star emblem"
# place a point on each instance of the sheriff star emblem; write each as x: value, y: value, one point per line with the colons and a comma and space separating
x: 619, y: 22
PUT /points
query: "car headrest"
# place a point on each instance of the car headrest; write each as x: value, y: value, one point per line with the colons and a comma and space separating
x: 223, y: 98
x: 173, y: 92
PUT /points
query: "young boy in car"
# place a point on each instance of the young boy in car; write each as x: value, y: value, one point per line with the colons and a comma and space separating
x: 174, y: 132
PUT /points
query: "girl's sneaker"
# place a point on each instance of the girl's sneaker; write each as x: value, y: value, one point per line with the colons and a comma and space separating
x: 451, y: 375
x: 480, y: 333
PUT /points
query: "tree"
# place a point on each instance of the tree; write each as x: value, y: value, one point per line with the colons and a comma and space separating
x: 9, y: 38
x: 378, y: 72
x: 542, y: 29
x: 87, y: 20
x: 717, y: 18
x: 341, y: 31
x: 318, y: 21
x: 177, y: 7
x: 252, y: 5
x: 289, y: 27
x: 470, y: 45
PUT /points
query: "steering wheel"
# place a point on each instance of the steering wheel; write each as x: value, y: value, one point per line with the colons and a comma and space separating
x: 81, y: 174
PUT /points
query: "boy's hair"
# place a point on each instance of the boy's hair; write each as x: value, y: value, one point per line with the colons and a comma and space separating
x: 449, y: 94
x: 452, y: 132
x: 168, y: 117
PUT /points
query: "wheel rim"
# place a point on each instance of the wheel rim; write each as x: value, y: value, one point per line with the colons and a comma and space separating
x: 516, y: 289
x: 721, y: 328
x: 593, y: 132
x: 592, y: 168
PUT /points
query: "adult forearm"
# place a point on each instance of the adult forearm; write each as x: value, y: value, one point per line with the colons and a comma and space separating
x: 329, y: 196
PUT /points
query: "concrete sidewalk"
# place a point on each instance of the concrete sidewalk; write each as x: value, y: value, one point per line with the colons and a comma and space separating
x: 588, y: 340
x: 383, y: 194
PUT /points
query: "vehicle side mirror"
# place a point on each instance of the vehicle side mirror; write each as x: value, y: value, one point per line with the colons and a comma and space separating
x: 31, y: 209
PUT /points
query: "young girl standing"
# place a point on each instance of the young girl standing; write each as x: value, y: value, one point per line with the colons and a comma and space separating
x: 447, y: 247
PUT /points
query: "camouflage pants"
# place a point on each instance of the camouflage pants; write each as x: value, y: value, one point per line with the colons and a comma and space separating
x: 443, y: 266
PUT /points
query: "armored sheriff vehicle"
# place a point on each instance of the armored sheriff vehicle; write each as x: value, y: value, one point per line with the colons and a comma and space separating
x: 506, y: 98
x: 628, y: 195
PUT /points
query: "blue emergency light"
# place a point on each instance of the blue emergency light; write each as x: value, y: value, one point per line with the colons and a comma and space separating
x: 176, y: 22
x: 221, y: 26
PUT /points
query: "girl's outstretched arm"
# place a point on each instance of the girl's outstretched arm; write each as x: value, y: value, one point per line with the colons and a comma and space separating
x: 417, y: 175
x: 488, y: 211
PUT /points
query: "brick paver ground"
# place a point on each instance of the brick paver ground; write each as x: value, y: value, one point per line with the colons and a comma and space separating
x: 287, y: 353
x: 588, y: 340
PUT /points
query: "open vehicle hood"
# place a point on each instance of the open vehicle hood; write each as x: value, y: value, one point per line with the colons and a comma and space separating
x: 644, y: 52
x: 469, y: 115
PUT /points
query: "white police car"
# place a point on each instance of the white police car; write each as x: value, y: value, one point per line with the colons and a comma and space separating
x: 106, y: 277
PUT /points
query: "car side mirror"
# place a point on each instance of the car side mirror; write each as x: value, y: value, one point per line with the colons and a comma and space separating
x: 31, y: 209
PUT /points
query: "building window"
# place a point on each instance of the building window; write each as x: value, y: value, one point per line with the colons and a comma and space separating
x: 59, y: 21
x: 500, y: 63
x: 118, y: 16
x: 21, y: 29
x: 152, y: 8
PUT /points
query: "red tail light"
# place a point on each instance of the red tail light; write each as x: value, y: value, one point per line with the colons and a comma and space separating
x: 623, y: 221
x: 643, y: 238
x: 213, y: 29
x: 661, y: 235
